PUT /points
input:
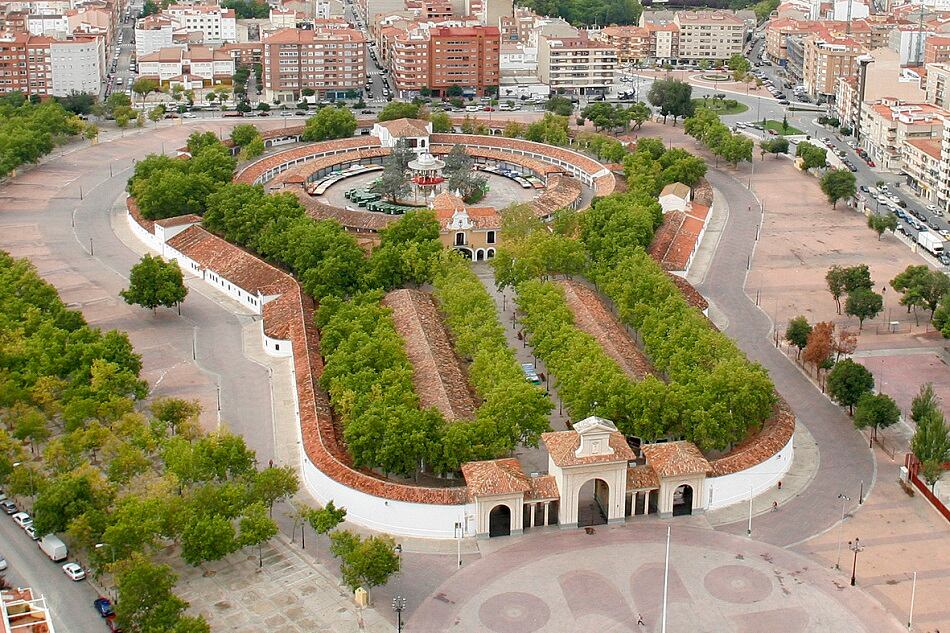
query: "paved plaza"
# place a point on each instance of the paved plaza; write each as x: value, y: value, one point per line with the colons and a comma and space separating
x: 574, y: 581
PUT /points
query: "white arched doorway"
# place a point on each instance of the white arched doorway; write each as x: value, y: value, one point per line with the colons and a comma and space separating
x: 480, y: 255
x: 683, y: 500
x: 499, y: 521
x: 593, y: 503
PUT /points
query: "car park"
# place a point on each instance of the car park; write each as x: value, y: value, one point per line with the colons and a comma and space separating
x: 74, y: 571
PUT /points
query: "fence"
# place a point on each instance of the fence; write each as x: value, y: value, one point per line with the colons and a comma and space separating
x: 913, y: 466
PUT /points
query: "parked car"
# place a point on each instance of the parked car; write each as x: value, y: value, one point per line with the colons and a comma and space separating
x: 103, y: 606
x: 22, y: 519
x: 31, y: 532
x: 864, y: 188
x: 871, y: 163
x: 113, y: 625
x: 74, y: 571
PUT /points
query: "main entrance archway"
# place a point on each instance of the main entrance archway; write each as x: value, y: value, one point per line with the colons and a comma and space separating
x: 593, y: 499
x: 499, y: 521
x: 683, y: 500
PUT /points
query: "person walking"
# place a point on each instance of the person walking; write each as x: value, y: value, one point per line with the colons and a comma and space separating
x: 640, y: 620
x: 775, y: 506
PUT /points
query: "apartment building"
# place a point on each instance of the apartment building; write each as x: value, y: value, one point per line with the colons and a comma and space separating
x: 51, y: 25
x: 943, y: 178
x: 777, y: 33
x: 25, y: 64
x: 77, y: 64
x: 879, y: 74
x: 713, y: 35
x: 444, y: 57
x: 825, y: 59
x: 216, y: 24
x: 937, y: 49
x: 331, y: 62
x: 191, y: 68
x: 920, y: 163
x: 664, y: 42
x: 576, y: 65
x: 887, y: 125
x: 153, y: 33
x: 246, y: 54
x: 632, y: 43
x: 909, y: 42
x: 938, y: 85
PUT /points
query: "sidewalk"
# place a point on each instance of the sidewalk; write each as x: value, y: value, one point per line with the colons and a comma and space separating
x: 900, y: 535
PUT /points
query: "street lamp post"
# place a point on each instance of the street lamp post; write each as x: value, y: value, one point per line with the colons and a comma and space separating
x: 855, y: 546
x: 399, y: 603
x: 844, y: 498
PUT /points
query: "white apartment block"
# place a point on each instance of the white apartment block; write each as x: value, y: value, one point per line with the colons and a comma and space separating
x: 709, y: 34
x: 196, y: 67
x: 943, y: 177
x: 152, y: 34
x: 887, y: 126
x: 77, y: 65
x: 576, y: 65
x: 909, y: 44
x: 216, y: 24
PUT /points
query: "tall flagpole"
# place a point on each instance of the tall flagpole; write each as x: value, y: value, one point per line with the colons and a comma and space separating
x: 666, y: 578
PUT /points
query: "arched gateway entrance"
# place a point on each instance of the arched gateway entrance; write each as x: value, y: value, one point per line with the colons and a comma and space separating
x: 499, y: 521
x: 593, y: 503
x: 683, y: 500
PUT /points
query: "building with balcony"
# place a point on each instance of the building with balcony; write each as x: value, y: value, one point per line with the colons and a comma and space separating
x: 216, y: 24
x: 777, y: 33
x: 332, y: 62
x: 153, y: 33
x: 826, y: 58
x: 943, y: 176
x: 938, y: 85
x: 25, y: 64
x: 712, y: 35
x: 576, y: 65
x: 937, y: 49
x: 632, y: 43
x: 920, y: 163
x: 879, y: 74
x: 888, y: 125
x: 191, y: 68
x: 446, y: 58
x: 21, y: 611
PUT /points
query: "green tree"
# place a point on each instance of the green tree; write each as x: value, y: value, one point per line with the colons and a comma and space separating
x: 931, y: 444
x: 638, y: 114
x: 739, y: 65
x: 31, y: 424
x: 560, y: 106
x: 736, y: 148
x: 364, y: 562
x: 399, y: 110
x: 924, y: 402
x: 154, y: 282
x: 393, y: 183
x: 848, y: 381
x: 921, y: 287
x: 326, y: 518
x: 876, y: 411
x: 207, y: 536
x: 257, y: 528
x: 243, y: 134
x: 838, y: 184
x: 274, y: 484
x: 673, y: 97
x: 253, y: 149
x: 774, y: 146
x: 797, y: 333
x: 864, y: 304
x: 77, y: 102
x: 328, y: 123
x: 941, y: 316
x: 813, y: 157
x: 198, y: 142
x: 882, y: 222
x: 144, y: 86
x: 441, y: 123
x: 146, y: 602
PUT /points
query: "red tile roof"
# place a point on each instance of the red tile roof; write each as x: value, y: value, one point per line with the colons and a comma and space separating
x: 672, y: 459
x: 562, y: 446
x: 407, y: 127
x: 436, y: 372
x: 593, y: 317
x: 642, y: 477
x: 179, y: 220
x: 495, y: 477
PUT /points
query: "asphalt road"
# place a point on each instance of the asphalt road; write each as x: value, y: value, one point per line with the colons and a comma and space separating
x: 70, y: 603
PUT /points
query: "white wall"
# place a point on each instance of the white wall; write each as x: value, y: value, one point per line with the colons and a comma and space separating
x: 393, y: 517
x: 275, y: 346
x: 729, y: 489
x: 143, y: 235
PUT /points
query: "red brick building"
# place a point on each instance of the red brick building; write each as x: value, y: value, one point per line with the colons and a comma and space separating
x: 25, y: 64
x: 441, y: 59
x: 937, y: 50
x: 331, y: 62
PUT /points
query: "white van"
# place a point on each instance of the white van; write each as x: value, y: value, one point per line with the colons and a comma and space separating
x: 53, y: 547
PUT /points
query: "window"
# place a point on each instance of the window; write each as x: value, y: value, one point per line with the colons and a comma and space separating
x: 490, y: 238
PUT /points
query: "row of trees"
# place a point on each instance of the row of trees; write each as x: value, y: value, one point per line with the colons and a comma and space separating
x: 29, y: 131
x: 651, y: 166
x: 706, y: 128
x: 589, y: 12
x: 166, y: 187
x: 122, y: 484
x: 931, y: 441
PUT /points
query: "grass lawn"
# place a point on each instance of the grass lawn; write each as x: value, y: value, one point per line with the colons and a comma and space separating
x: 777, y: 126
x: 719, y: 108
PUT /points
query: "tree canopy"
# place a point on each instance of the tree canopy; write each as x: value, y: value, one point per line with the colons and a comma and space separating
x: 29, y: 131
x: 921, y: 287
x: 330, y: 122
x: 848, y: 381
x: 673, y: 97
x: 154, y: 282
x: 838, y: 184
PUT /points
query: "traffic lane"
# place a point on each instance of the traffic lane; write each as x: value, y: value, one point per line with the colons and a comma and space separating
x: 69, y: 602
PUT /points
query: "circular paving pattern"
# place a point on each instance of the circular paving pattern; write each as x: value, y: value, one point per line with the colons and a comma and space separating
x: 572, y: 581
x: 737, y: 584
x: 514, y: 611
